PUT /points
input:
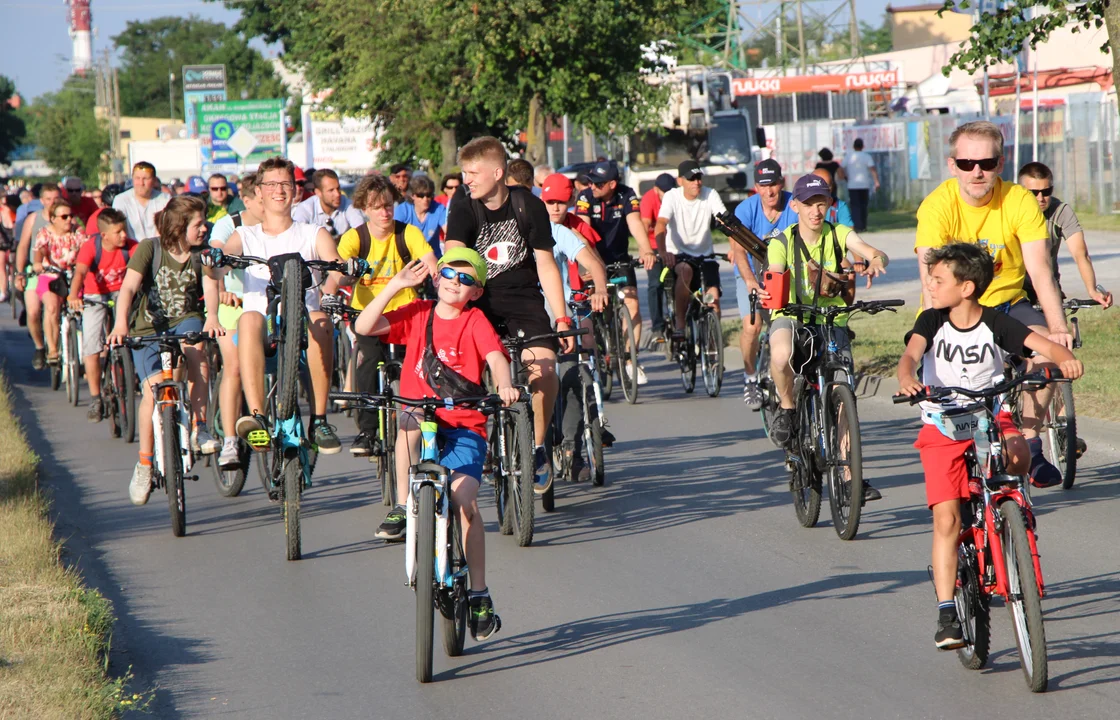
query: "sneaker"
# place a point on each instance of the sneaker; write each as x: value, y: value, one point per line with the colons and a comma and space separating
x: 781, y: 429
x: 642, y: 379
x: 95, y: 410
x: 253, y: 429
x: 202, y: 442
x: 870, y: 493
x: 484, y: 622
x: 1042, y: 473
x: 39, y: 359
x: 229, y: 458
x: 23, y: 318
x: 542, y: 480
x: 608, y: 438
x: 392, y: 527
x: 752, y: 395
x: 580, y: 471
x: 324, y: 438
x: 949, y: 635
x: 141, y: 486
x: 365, y: 445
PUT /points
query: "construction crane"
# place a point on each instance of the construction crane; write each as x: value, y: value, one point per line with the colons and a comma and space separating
x: 79, y: 21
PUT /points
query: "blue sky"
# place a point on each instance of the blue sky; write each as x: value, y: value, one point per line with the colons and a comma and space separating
x: 35, y: 51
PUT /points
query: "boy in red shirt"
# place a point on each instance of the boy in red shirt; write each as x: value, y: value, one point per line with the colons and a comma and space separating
x: 465, y: 341
x: 99, y: 278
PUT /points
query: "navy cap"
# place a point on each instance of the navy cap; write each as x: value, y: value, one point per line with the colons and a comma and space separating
x: 811, y: 186
x: 689, y: 169
x: 603, y: 172
x: 665, y: 182
x: 768, y: 172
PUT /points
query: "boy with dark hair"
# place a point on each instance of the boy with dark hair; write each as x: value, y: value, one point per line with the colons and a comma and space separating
x: 520, y: 172
x: 962, y: 343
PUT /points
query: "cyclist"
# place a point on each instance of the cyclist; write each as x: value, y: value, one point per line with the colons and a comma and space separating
x: 278, y: 234
x: 28, y: 283
x: 142, y: 202
x: 511, y: 230
x: 56, y: 244
x: 957, y: 276
x: 648, y: 208
x: 447, y: 188
x: 389, y: 246
x: 767, y: 214
x: 810, y: 241
x: 976, y: 206
x: 422, y: 212
x: 7, y: 239
x: 614, y: 211
x: 460, y: 340
x: 218, y: 198
x: 400, y: 175
x: 328, y: 208
x: 98, y: 275
x: 684, y: 228
x: 73, y: 189
x: 167, y: 286
x: 108, y: 194
x: 1061, y: 224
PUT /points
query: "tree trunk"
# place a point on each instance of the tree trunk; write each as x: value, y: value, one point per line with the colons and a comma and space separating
x: 1111, y: 16
x: 536, y: 138
x: 448, y: 149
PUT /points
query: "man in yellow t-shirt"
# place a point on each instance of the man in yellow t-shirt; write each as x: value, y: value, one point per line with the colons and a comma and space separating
x: 375, y: 196
x: 977, y: 206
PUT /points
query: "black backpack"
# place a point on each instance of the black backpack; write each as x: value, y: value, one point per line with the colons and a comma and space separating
x: 365, y: 240
x: 519, y: 197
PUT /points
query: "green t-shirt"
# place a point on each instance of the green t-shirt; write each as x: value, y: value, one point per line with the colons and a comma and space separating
x: 174, y: 295
x: 781, y: 250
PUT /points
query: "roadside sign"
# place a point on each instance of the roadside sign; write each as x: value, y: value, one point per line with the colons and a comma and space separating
x: 338, y: 142
x: 201, y: 84
x: 240, y: 132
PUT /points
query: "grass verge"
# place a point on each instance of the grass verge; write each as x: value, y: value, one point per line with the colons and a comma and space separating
x: 54, y: 631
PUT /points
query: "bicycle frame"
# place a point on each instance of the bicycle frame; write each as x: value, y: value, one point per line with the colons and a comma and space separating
x: 429, y: 472
x: 69, y: 317
x: 169, y: 391
x: 587, y: 357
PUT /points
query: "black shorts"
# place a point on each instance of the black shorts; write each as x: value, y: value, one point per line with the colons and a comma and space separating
x: 709, y: 271
x: 513, y: 309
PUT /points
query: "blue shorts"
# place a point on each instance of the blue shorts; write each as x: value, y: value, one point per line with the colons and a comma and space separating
x: 462, y: 451
x: 146, y: 359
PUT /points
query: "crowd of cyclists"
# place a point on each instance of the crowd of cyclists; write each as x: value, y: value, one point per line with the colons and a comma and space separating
x: 500, y: 252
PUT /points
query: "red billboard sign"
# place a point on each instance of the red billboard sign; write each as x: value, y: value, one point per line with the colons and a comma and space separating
x: 849, y: 82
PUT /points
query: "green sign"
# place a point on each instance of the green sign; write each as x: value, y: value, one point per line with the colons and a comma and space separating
x: 240, y: 132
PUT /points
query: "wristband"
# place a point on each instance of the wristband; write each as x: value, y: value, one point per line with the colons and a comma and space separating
x: 567, y: 320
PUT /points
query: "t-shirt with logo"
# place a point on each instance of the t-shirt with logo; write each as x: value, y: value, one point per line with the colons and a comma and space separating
x: 109, y: 275
x: 750, y: 213
x: 174, y: 295
x: 510, y: 262
x: 608, y: 218
x: 970, y: 358
x: 1009, y: 220
x: 462, y: 344
x: 384, y: 262
x: 689, y: 228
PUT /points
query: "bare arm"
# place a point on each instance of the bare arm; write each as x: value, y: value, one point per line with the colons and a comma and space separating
x: 589, y: 260
x: 923, y: 274
x: 326, y: 249
x: 1080, y: 252
x: 503, y: 380
x: 80, y: 272
x: 659, y: 231
x: 1036, y: 258
x: 645, y: 251
x: 908, y: 383
x: 371, y: 321
x: 874, y: 176
x: 877, y: 260
x: 131, y: 285
x: 1071, y: 367
x: 24, y: 247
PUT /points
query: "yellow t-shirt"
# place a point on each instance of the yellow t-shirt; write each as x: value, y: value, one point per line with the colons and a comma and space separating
x: 1001, y: 227
x: 780, y: 252
x: 385, y: 262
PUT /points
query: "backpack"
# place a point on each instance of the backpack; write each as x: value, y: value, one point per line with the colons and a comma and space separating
x: 149, y: 280
x: 519, y: 198
x: 365, y: 240
x: 96, y: 237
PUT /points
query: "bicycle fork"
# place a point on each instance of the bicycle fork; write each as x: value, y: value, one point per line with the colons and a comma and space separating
x: 441, y: 484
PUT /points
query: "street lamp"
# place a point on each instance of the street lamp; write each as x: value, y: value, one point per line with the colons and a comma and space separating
x: 171, y: 92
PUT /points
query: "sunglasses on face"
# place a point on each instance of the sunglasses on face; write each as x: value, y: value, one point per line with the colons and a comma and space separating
x: 449, y: 273
x: 1044, y: 192
x: 220, y: 188
x: 63, y: 217
x: 422, y: 196
x: 987, y: 164
x: 600, y: 184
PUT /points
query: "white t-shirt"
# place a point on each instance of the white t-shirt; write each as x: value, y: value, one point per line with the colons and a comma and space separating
x: 299, y: 238
x: 857, y: 166
x: 141, y: 219
x: 689, y: 229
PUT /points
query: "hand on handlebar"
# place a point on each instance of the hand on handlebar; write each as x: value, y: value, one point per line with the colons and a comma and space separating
x: 509, y: 395
x: 212, y: 257
x: 356, y: 267
x: 754, y: 287
x: 567, y: 345
x: 117, y: 335
x: 649, y: 259
x: 213, y: 328
x: 599, y: 300
x: 75, y: 303
x: 910, y: 386
x: 668, y: 259
x: 1102, y: 296
x: 1072, y: 369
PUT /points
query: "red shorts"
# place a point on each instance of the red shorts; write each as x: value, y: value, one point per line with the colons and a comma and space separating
x: 943, y: 461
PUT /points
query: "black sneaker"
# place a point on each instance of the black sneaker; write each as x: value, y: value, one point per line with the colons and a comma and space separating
x: 608, y: 438
x: 870, y: 493
x: 324, y: 439
x: 365, y: 445
x: 781, y: 430
x: 484, y: 622
x: 95, y: 410
x: 1043, y: 474
x: 580, y: 470
x: 39, y: 359
x: 949, y: 635
x: 392, y: 528
x: 542, y: 478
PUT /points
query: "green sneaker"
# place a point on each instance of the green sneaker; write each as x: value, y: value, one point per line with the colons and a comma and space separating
x: 392, y: 528
x: 484, y: 622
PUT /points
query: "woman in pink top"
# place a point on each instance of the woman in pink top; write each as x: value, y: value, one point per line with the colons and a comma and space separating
x: 57, y: 245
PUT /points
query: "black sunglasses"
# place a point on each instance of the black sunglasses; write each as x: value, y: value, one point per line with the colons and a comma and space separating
x: 222, y: 188
x: 422, y: 195
x: 448, y: 273
x: 1044, y: 192
x: 987, y: 164
x: 63, y: 217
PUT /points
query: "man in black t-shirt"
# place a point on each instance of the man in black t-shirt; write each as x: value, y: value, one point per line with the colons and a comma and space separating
x: 612, y: 210
x: 513, y: 234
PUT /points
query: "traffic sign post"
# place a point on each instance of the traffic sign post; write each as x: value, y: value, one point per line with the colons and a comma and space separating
x: 240, y: 133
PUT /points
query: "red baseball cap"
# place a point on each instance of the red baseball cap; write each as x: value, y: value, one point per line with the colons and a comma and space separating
x: 299, y: 176
x: 556, y: 187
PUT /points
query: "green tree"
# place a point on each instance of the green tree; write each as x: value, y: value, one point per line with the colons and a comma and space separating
x: 69, y: 136
x: 12, y: 128
x: 152, y: 49
x: 873, y: 39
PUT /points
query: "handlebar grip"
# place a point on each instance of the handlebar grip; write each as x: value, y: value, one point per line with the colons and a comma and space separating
x: 891, y: 303
x: 900, y: 399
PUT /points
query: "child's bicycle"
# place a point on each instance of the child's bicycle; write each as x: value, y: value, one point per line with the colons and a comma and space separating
x: 435, y: 563
x: 998, y: 550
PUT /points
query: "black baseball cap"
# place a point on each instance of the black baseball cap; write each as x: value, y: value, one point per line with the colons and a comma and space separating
x: 603, y: 172
x: 689, y: 169
x: 768, y: 172
x: 665, y: 182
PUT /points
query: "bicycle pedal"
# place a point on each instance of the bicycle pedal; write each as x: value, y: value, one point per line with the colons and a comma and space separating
x: 259, y: 439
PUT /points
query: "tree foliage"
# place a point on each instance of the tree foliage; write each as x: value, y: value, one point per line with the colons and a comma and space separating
x: 152, y: 49
x: 69, y: 136
x: 12, y: 128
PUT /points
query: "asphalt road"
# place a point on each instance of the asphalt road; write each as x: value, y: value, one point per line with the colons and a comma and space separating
x: 685, y: 588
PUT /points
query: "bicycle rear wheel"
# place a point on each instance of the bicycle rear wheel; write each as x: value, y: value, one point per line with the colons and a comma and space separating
x: 668, y: 301
x: 711, y: 352
x: 1059, y: 436
x: 126, y: 381
x: 387, y: 460
x: 342, y: 352
x: 454, y: 605
x: 109, y: 391
x: 626, y: 353
x: 973, y: 610
x: 592, y: 431
x: 1023, y: 601
x: 805, y: 482
x: 73, y: 363
x: 291, y: 340
x: 519, y: 494
x: 293, y: 490
x: 685, y: 357
x: 425, y: 580
x: 605, y: 351
x: 230, y: 483
x: 173, y: 469
x: 845, y: 467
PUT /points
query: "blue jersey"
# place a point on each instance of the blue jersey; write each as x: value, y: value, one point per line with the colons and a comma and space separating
x: 750, y: 214
x: 567, y: 246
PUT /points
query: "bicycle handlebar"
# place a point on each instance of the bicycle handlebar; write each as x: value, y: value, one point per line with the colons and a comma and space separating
x: 380, y: 400
x: 868, y: 306
x: 519, y: 343
x: 190, y: 338
x: 931, y: 393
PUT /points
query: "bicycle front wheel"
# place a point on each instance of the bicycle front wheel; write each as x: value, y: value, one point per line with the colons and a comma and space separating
x: 804, y: 481
x: 626, y: 353
x: 592, y: 430
x: 686, y: 357
x: 711, y: 352
x: 109, y: 393
x: 454, y: 604
x: 1059, y: 435
x: 845, y: 466
x: 291, y: 340
x: 670, y: 319
x: 73, y: 363
x: 293, y: 490
x: 520, y: 473
x: 126, y: 394
x: 973, y: 610
x: 425, y: 580
x: 604, y: 354
x: 1023, y: 600
x: 387, y: 460
x: 173, y: 469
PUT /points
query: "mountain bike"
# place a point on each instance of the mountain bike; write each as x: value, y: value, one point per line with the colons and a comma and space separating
x: 344, y: 352
x: 594, y: 418
x: 615, y: 338
x: 998, y: 548
x: 702, y: 341
x: 119, y: 385
x: 770, y: 401
x: 826, y: 440
x: 229, y: 481
x: 68, y: 368
x: 434, y: 560
x: 171, y: 423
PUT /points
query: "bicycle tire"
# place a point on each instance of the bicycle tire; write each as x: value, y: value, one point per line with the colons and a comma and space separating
x: 845, y: 498
x: 711, y: 353
x: 425, y: 580
x: 293, y: 490
x: 685, y: 357
x: 770, y: 402
x: 265, y: 458
x: 973, y: 611
x: 291, y: 340
x: 230, y: 483
x: 56, y: 374
x: 805, y: 485
x: 454, y: 604
x: 592, y: 431
x: 1059, y: 436
x: 670, y: 319
x: 342, y: 352
x: 1026, y: 612
x: 626, y: 339
x: 604, y: 353
x: 73, y: 364
x: 173, y: 469
x: 387, y: 461
x: 520, y: 503
x: 126, y: 395
x: 110, y: 409
x: 498, y: 470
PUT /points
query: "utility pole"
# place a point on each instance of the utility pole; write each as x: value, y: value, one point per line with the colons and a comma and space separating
x: 801, y: 35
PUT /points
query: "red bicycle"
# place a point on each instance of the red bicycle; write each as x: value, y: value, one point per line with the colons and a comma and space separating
x: 998, y: 549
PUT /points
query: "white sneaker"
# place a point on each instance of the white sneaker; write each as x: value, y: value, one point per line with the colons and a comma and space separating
x: 752, y: 395
x: 3, y: 297
x: 642, y: 380
x: 141, y: 486
x: 230, y: 458
x: 203, y: 442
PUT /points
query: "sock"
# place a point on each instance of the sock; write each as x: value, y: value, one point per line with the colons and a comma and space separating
x: 947, y: 606
x: 316, y: 419
x: 146, y: 459
x: 1035, y: 445
x: 484, y: 592
x: 94, y: 398
x: 751, y: 377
